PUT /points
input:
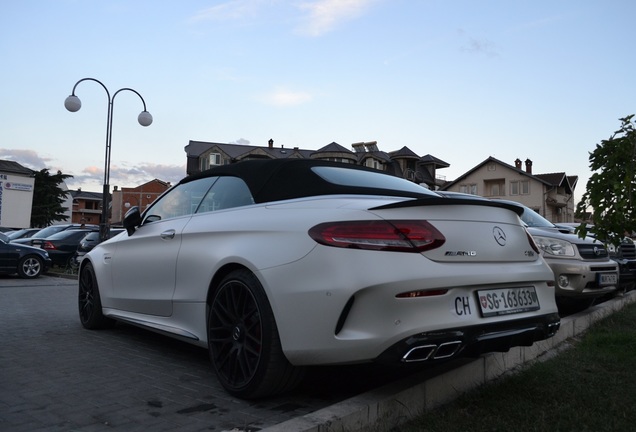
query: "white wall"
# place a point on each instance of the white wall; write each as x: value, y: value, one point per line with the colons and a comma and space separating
x: 16, y: 200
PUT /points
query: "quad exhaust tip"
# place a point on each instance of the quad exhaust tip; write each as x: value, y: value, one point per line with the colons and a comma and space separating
x: 553, y: 328
x: 432, y: 352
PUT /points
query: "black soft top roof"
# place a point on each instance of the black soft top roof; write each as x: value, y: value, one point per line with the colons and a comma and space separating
x: 280, y: 179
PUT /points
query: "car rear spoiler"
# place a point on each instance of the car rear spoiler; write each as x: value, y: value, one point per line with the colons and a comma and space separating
x: 450, y: 201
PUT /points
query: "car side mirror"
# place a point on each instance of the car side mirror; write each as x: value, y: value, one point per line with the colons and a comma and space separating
x: 132, y: 219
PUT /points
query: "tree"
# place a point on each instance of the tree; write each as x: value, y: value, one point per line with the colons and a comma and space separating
x: 611, y: 188
x: 48, y: 198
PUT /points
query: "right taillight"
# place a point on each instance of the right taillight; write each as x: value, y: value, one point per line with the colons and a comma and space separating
x: 395, y: 235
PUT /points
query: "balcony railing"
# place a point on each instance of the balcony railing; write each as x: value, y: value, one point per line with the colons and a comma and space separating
x: 556, y: 199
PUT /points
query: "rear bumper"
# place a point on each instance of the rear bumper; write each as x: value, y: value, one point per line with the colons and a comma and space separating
x: 471, y: 341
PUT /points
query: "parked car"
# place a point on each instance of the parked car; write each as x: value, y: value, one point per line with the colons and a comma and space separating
x: 27, y: 261
x: 624, y: 254
x: 21, y: 233
x: 63, y: 245
x: 36, y: 239
x: 582, y: 267
x: 275, y: 265
x: 90, y: 240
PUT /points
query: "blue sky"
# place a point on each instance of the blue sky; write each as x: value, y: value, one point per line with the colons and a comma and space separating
x: 461, y: 80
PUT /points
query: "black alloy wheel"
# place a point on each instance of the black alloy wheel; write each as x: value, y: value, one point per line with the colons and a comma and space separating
x: 243, y: 340
x: 89, y: 301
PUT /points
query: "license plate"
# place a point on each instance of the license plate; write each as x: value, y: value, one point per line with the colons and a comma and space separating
x: 506, y: 301
x: 605, y: 279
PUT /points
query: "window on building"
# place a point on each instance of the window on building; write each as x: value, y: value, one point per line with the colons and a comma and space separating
x: 337, y: 159
x: 212, y: 160
x: 468, y: 188
x: 520, y: 187
x: 525, y: 187
x: 372, y: 163
x: 514, y: 188
x: 495, y: 187
x: 215, y: 159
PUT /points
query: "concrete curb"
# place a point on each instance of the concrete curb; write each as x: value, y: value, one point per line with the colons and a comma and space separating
x: 389, y: 406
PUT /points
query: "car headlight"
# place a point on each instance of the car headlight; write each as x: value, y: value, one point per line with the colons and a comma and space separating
x: 555, y: 247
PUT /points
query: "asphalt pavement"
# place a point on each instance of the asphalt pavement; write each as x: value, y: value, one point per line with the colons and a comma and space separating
x: 57, y: 376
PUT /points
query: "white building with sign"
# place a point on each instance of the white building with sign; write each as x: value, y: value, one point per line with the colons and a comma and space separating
x: 16, y: 195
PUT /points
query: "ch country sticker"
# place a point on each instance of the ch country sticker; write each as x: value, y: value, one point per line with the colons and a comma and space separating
x: 462, y: 306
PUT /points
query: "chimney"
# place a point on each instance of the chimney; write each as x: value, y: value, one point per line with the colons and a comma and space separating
x: 271, y: 143
x: 518, y: 163
x: 528, y: 166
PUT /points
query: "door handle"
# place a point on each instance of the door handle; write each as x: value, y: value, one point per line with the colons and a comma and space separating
x: 168, y: 235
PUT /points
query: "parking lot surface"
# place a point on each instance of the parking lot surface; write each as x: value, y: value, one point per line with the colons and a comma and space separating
x: 57, y: 376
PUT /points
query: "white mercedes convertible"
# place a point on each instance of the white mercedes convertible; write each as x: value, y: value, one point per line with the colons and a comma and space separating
x: 276, y: 265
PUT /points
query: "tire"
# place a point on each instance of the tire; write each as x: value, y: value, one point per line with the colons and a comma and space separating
x: 89, y: 301
x: 243, y: 340
x: 30, y: 267
x: 72, y: 264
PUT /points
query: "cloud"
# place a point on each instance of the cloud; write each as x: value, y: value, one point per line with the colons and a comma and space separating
x: 27, y: 158
x: 91, y: 178
x: 231, y: 10
x: 324, y: 15
x: 128, y: 176
x: 478, y: 46
x: 317, y: 16
x: 241, y: 141
x: 283, y: 97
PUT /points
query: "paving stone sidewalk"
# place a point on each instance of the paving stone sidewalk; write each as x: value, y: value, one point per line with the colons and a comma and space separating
x: 57, y: 376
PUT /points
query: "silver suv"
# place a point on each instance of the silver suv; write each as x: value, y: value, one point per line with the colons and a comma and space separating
x: 583, y: 270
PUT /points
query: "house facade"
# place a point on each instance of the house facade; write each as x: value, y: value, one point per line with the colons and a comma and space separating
x: 87, y: 207
x: 141, y: 196
x: 402, y: 163
x: 551, y: 195
x: 16, y: 194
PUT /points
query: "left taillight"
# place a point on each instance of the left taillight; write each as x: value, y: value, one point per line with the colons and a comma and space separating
x: 383, y: 235
x: 48, y: 245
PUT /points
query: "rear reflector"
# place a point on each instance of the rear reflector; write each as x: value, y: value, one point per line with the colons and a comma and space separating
x: 422, y: 293
x: 395, y: 235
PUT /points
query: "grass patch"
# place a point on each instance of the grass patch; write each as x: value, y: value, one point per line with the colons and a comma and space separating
x: 589, y: 387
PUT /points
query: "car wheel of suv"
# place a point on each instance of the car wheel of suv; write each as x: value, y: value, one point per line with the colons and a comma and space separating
x: 89, y: 301
x: 243, y: 340
x: 30, y: 267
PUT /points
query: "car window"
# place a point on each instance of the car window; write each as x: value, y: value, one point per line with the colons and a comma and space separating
x: 48, y: 231
x: 19, y: 233
x: 4, y: 238
x: 94, y: 236
x: 533, y: 219
x: 67, y: 234
x: 368, y: 179
x: 227, y: 192
x: 182, y: 200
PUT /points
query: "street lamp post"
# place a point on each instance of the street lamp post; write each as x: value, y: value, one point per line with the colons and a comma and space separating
x: 73, y: 104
